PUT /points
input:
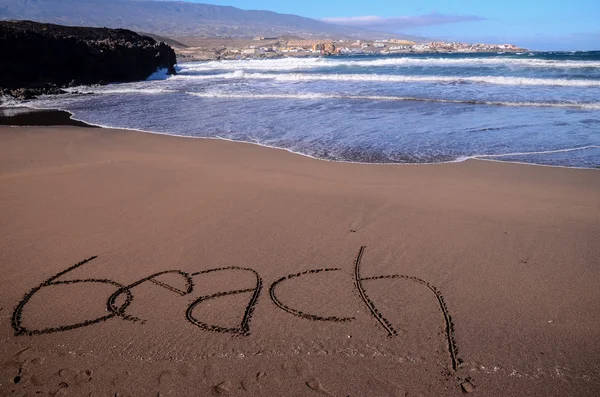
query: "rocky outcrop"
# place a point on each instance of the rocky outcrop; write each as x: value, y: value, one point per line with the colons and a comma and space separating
x: 41, y: 58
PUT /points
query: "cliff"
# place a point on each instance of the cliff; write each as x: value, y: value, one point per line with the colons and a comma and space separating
x: 40, y: 58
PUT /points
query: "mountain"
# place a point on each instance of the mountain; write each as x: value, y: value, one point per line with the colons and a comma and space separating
x: 177, y: 19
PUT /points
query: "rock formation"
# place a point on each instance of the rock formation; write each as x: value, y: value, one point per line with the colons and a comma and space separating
x: 40, y: 58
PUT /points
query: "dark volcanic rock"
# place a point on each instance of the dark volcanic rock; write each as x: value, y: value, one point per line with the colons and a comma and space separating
x: 30, y: 93
x: 38, y: 58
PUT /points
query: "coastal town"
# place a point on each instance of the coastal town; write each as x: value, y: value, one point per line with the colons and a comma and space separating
x: 274, y: 47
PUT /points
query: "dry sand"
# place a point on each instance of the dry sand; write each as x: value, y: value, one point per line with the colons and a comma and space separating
x: 493, y: 272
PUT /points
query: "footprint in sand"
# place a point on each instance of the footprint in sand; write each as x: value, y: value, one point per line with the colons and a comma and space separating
x: 83, y: 377
x: 121, y: 378
x: 261, y: 376
x: 222, y: 389
x: 303, y: 368
x: 250, y: 385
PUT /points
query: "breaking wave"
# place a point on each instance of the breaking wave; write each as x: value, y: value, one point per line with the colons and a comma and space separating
x: 285, y: 64
x: 496, y: 80
x: 112, y: 90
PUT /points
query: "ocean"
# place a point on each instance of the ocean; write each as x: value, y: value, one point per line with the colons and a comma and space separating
x: 540, y: 108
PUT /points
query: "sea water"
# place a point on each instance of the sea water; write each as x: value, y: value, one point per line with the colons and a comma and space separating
x: 541, y: 108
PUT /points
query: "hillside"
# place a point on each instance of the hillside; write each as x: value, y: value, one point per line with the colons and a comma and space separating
x: 177, y: 19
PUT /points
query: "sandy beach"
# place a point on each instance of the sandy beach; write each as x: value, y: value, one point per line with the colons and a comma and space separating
x: 135, y: 264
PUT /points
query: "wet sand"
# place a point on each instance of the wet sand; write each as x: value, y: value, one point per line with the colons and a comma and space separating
x: 141, y: 265
x: 38, y: 117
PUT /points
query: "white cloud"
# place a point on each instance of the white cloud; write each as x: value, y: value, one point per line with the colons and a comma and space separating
x: 401, y: 22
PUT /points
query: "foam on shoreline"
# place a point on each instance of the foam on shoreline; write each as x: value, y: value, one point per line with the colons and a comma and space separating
x: 31, y: 115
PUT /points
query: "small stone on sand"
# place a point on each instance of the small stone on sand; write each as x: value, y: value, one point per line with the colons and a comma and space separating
x: 467, y: 387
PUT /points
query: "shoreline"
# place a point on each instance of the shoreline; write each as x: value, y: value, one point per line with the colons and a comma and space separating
x: 60, y: 117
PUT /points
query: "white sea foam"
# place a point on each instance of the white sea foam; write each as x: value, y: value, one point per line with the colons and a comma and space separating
x: 111, y: 89
x: 268, y: 96
x: 318, y: 96
x: 285, y: 64
x: 575, y: 149
x: 496, y: 80
x: 8, y: 101
x: 160, y: 74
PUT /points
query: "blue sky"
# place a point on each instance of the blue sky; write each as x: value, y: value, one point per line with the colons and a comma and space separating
x: 536, y: 24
